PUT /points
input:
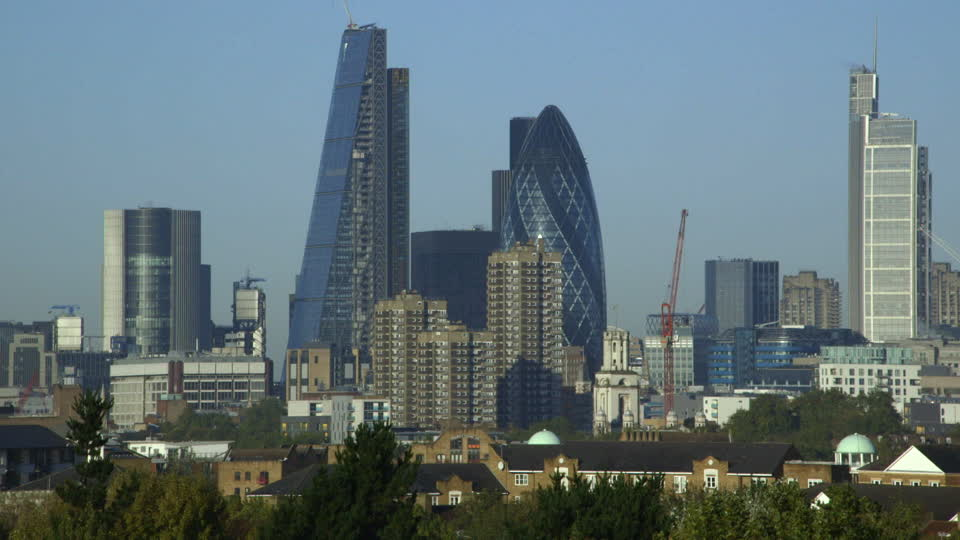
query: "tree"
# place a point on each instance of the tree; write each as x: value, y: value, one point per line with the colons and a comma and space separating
x: 607, y: 507
x: 366, y: 495
x: 761, y: 511
x: 85, y: 433
x: 170, y: 506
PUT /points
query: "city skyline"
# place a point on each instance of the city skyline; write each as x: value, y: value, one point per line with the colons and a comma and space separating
x: 632, y: 224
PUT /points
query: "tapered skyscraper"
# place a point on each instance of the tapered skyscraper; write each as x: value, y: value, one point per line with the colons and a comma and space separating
x: 357, y: 248
x: 551, y: 197
x: 889, y: 210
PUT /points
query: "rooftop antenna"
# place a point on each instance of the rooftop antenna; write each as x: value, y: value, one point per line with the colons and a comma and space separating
x: 876, y: 22
x: 346, y: 7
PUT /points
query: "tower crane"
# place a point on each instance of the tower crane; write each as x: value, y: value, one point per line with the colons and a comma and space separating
x: 667, y: 310
x: 942, y: 243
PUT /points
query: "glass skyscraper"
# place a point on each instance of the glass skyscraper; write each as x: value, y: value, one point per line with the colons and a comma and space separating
x: 357, y: 248
x: 889, y: 199
x: 551, y: 197
x: 742, y: 292
x: 156, y: 294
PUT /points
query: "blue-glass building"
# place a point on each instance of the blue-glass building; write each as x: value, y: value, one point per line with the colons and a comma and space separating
x: 551, y: 196
x: 740, y: 355
x: 357, y: 248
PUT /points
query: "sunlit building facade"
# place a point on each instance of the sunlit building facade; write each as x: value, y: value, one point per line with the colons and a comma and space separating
x: 357, y: 248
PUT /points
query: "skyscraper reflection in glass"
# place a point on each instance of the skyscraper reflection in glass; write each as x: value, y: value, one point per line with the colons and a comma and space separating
x: 357, y: 247
x: 551, y: 197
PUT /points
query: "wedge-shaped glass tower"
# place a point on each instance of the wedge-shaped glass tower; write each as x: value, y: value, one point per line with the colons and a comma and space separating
x: 357, y: 247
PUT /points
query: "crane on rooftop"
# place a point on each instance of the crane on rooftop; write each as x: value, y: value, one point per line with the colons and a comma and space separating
x: 667, y: 309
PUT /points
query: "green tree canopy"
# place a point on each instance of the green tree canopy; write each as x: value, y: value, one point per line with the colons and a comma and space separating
x: 366, y: 495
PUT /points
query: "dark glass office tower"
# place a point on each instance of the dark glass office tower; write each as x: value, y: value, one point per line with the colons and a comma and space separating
x: 742, y: 292
x: 452, y: 266
x: 357, y: 248
x: 551, y: 197
x: 156, y: 294
x: 501, y: 179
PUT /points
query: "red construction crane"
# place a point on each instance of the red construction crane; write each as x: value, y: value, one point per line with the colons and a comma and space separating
x: 666, y: 320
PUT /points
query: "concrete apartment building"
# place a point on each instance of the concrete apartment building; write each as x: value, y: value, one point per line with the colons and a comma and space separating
x: 944, y: 295
x: 525, y: 315
x: 310, y: 369
x: 434, y: 371
x: 808, y: 300
x: 397, y: 373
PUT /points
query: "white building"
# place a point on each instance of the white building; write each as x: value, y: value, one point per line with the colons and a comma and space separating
x: 209, y: 450
x: 901, y: 381
x: 206, y: 382
x: 616, y: 393
x: 949, y: 413
x: 346, y: 412
x: 719, y: 409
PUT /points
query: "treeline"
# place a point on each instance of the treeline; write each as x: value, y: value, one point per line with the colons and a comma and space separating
x: 258, y: 426
x: 814, y: 420
x: 369, y: 494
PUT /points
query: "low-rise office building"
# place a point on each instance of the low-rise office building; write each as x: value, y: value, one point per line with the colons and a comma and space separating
x: 344, y: 413
x: 206, y: 383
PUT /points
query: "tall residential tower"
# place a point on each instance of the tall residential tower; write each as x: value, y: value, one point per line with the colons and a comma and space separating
x: 357, y: 248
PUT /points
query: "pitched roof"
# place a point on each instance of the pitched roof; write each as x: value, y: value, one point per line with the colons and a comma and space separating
x: 428, y: 475
x: 754, y: 458
x: 942, y: 502
x: 50, y: 481
x: 291, y: 484
x: 29, y: 436
x: 483, y: 479
x: 947, y: 458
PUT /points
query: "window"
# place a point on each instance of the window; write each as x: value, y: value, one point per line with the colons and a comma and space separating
x: 915, y: 483
x: 434, y: 500
x: 246, y: 475
x: 236, y: 491
x: 758, y: 480
x: 236, y: 476
x: 680, y: 484
x: 521, y: 480
x: 898, y: 482
x: 710, y: 479
x: 454, y: 498
x: 814, y: 482
x: 246, y: 491
x: 934, y: 483
x: 876, y: 481
x: 264, y: 478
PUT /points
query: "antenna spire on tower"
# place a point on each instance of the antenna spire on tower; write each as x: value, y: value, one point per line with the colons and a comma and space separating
x: 876, y: 21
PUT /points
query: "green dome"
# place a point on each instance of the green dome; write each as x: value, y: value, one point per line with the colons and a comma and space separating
x: 544, y: 437
x: 856, y: 444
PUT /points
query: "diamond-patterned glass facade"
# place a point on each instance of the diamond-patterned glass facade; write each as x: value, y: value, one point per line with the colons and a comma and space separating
x: 551, y: 197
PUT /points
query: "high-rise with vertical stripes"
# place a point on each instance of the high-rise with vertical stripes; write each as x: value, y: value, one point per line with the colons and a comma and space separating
x: 889, y: 218
x: 357, y: 246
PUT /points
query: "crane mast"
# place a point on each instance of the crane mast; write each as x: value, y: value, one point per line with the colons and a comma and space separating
x: 667, y: 310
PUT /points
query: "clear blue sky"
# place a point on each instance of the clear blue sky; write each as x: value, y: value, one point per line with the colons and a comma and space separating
x: 736, y: 111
